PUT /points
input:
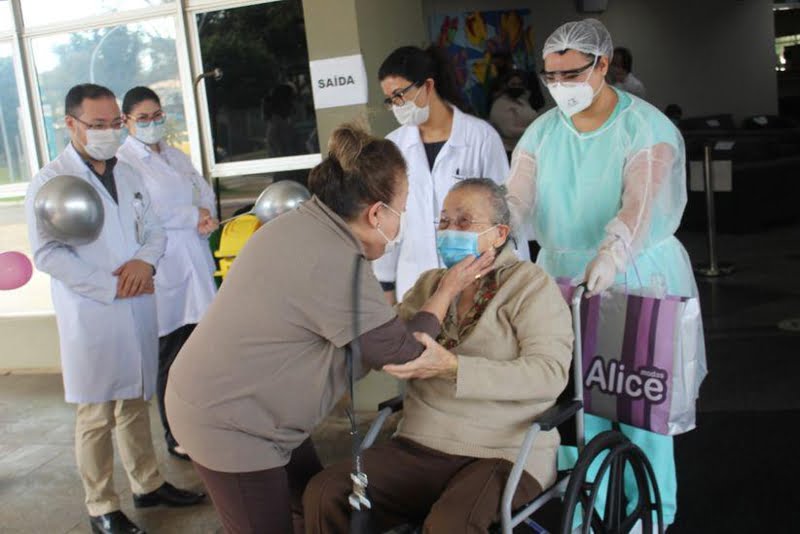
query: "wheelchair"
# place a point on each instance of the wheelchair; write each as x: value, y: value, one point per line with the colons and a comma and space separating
x: 578, y: 488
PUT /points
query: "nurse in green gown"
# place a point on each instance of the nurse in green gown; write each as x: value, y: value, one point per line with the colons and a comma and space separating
x: 600, y: 182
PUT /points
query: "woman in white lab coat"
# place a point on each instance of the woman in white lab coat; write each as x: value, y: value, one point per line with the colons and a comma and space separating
x: 441, y: 145
x: 184, y: 202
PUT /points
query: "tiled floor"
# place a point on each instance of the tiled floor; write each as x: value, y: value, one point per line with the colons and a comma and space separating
x: 40, y: 491
x: 737, y: 472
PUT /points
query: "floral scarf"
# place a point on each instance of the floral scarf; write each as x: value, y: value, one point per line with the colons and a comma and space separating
x: 452, y: 332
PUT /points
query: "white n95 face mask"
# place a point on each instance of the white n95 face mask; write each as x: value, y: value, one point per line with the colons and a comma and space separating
x: 150, y: 134
x: 102, y: 145
x: 573, y: 97
x: 391, y: 244
x: 409, y: 114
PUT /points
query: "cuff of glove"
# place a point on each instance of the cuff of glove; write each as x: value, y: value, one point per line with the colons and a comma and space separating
x: 614, y: 248
x: 617, y: 244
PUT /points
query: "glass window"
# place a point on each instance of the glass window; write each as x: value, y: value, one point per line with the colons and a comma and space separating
x: 262, y: 107
x: 41, y: 12
x: 783, y: 43
x: 6, y: 17
x: 13, y: 160
x: 237, y: 194
x: 120, y: 57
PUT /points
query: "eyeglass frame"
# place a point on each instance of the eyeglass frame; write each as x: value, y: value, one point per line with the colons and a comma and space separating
x: 459, y: 223
x: 543, y: 74
x: 389, y: 101
x: 140, y: 123
x: 113, y: 126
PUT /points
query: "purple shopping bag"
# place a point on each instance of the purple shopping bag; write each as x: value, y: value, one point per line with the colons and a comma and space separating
x: 642, y: 363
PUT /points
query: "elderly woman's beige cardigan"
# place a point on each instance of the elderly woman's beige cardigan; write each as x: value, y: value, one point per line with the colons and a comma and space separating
x: 511, y: 367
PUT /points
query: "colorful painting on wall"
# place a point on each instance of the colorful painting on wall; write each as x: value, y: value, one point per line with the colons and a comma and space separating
x: 476, y: 40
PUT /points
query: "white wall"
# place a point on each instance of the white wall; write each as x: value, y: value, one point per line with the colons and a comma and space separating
x: 384, y: 26
x: 27, y: 322
x: 708, y: 56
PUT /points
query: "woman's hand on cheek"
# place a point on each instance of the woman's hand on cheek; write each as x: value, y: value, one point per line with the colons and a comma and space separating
x: 465, y: 272
x: 435, y: 361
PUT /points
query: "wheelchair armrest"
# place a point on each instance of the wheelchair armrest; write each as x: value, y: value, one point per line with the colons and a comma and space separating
x: 557, y: 414
x: 385, y: 409
x: 395, y: 404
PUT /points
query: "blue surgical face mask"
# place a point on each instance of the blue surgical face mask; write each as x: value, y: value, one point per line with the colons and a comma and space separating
x: 455, y: 245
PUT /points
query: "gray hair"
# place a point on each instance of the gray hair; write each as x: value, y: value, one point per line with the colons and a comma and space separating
x: 501, y: 212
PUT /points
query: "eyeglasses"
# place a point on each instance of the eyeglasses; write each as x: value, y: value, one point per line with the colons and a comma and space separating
x: 572, y: 75
x: 158, y: 118
x: 462, y: 222
x: 398, y: 97
x: 116, y: 124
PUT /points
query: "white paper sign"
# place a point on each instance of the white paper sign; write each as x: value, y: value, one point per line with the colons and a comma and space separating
x: 339, y: 81
x: 724, y: 145
x: 721, y: 174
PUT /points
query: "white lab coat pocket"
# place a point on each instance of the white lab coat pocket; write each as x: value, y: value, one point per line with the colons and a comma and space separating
x: 175, y: 266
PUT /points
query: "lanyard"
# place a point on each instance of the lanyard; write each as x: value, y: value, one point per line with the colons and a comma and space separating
x: 358, y: 498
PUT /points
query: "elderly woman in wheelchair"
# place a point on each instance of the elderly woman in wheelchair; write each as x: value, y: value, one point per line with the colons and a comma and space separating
x: 500, y: 360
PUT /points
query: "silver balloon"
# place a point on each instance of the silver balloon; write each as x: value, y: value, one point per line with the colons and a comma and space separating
x: 70, y: 210
x: 278, y: 198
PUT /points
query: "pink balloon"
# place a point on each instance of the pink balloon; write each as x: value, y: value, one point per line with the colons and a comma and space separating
x: 15, y: 270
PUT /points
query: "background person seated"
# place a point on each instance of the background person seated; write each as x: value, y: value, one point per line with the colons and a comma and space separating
x: 512, y: 112
x: 620, y: 75
x: 501, y: 359
x: 674, y: 113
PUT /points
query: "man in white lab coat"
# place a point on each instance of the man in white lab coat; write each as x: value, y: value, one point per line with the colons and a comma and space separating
x: 103, y: 297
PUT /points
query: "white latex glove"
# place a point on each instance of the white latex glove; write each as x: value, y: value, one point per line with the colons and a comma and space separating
x: 600, y: 274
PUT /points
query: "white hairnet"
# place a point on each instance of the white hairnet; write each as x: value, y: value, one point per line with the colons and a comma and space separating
x: 588, y: 36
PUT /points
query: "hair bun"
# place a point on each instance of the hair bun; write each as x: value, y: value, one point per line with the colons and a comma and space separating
x: 345, y: 145
x: 358, y: 171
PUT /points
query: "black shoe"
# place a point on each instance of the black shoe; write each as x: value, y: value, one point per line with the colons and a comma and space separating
x: 168, y: 495
x: 113, y: 523
x: 177, y: 454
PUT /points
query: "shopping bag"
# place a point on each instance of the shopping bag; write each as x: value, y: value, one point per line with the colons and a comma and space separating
x: 643, y: 359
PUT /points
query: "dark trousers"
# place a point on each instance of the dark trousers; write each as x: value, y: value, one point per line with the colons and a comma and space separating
x: 409, y: 483
x: 263, y: 502
x: 168, y: 348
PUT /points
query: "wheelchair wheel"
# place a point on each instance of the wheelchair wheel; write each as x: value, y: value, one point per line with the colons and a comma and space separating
x: 615, y: 454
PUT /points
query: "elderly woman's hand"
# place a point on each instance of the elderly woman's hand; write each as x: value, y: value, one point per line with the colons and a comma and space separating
x: 465, y: 272
x: 455, y: 280
x: 435, y: 361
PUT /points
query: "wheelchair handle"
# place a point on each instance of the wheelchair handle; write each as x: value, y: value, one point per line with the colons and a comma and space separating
x: 577, y: 362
